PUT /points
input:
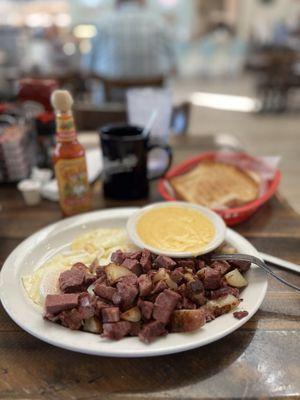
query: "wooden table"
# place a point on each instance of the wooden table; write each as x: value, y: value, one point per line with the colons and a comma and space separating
x: 260, y: 360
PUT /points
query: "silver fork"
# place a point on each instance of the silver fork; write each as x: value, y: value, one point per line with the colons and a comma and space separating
x: 253, y: 260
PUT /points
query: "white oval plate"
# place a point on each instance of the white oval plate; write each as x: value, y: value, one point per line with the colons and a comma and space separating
x: 41, y: 246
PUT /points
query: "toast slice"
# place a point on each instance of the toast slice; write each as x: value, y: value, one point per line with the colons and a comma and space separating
x: 217, y: 185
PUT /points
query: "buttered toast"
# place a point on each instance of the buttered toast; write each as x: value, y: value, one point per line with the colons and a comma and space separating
x: 217, y: 185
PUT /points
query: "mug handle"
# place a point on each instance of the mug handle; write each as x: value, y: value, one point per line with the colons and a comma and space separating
x: 168, y: 150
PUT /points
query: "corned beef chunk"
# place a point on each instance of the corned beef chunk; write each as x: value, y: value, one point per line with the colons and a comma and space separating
x: 85, y: 307
x: 211, y: 278
x: 195, y: 286
x: 116, y: 330
x: 164, y: 305
x: 177, y: 275
x: 200, y: 264
x: 195, y: 292
x: 133, y: 265
x: 159, y: 287
x: 100, y: 272
x: 135, y: 255
x: 242, y: 266
x: 71, y: 319
x: 199, y: 299
x: 145, y: 260
x: 56, y: 303
x: 165, y: 261
x: 125, y: 295
x: 240, y: 314
x: 80, y: 266
x: 51, y: 317
x: 146, y: 308
x: 117, y: 299
x: 104, y: 291
x: 181, y: 289
x: 151, y: 331
x: 110, y: 314
x: 71, y: 280
x: 101, y: 279
x: 98, y: 305
x: 135, y: 328
x: 118, y: 257
x: 145, y: 285
x: 187, y: 304
x: 186, y: 263
x: 224, y: 291
x: 221, y: 266
x: 89, y: 278
x: 86, y: 312
x: 129, y: 280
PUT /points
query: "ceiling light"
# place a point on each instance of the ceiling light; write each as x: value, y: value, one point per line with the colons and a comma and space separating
x: 85, y: 31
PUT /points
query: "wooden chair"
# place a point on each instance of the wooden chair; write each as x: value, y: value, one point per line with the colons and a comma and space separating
x: 277, y: 78
x: 90, y: 117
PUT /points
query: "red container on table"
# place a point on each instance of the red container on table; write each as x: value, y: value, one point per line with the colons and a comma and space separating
x: 232, y: 216
x: 37, y: 90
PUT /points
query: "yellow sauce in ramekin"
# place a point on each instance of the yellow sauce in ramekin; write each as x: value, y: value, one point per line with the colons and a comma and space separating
x: 175, y: 229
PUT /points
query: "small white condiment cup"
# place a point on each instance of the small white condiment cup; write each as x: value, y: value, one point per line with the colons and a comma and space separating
x: 42, y: 175
x: 217, y: 221
x: 30, y: 190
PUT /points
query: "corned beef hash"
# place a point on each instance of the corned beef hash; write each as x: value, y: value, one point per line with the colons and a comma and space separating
x: 137, y: 293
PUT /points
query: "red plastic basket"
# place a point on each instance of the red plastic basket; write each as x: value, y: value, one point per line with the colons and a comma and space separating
x: 232, y: 216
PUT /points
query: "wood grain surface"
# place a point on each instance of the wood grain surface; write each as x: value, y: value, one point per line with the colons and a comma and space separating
x: 260, y: 360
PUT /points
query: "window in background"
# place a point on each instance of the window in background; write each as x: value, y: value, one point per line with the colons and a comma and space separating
x: 168, y: 3
x: 92, y: 3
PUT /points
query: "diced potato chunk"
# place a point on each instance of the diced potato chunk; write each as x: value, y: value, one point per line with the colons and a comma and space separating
x: 187, y: 320
x: 172, y: 285
x: 92, y: 325
x: 235, y: 278
x: 189, y: 277
x: 162, y: 275
x: 132, y: 315
x: 115, y: 272
x: 200, y: 273
x: 223, y: 305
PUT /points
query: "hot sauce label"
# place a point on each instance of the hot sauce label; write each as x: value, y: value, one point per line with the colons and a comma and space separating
x: 65, y: 127
x: 74, y: 191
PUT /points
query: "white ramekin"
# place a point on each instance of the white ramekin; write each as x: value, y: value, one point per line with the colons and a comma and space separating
x: 218, y: 239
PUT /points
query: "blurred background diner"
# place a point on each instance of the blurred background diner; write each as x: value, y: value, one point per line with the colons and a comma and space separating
x: 224, y: 67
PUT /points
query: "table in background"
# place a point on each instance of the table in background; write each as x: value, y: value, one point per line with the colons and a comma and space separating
x: 260, y: 360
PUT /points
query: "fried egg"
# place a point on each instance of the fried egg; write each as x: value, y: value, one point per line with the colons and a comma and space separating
x: 86, y: 248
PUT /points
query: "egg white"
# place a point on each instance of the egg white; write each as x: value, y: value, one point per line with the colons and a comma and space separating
x: 86, y: 248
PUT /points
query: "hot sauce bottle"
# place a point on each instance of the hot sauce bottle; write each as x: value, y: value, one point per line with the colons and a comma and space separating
x: 69, y: 158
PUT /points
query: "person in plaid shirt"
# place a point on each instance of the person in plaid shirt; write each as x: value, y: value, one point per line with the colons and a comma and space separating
x: 132, y: 43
